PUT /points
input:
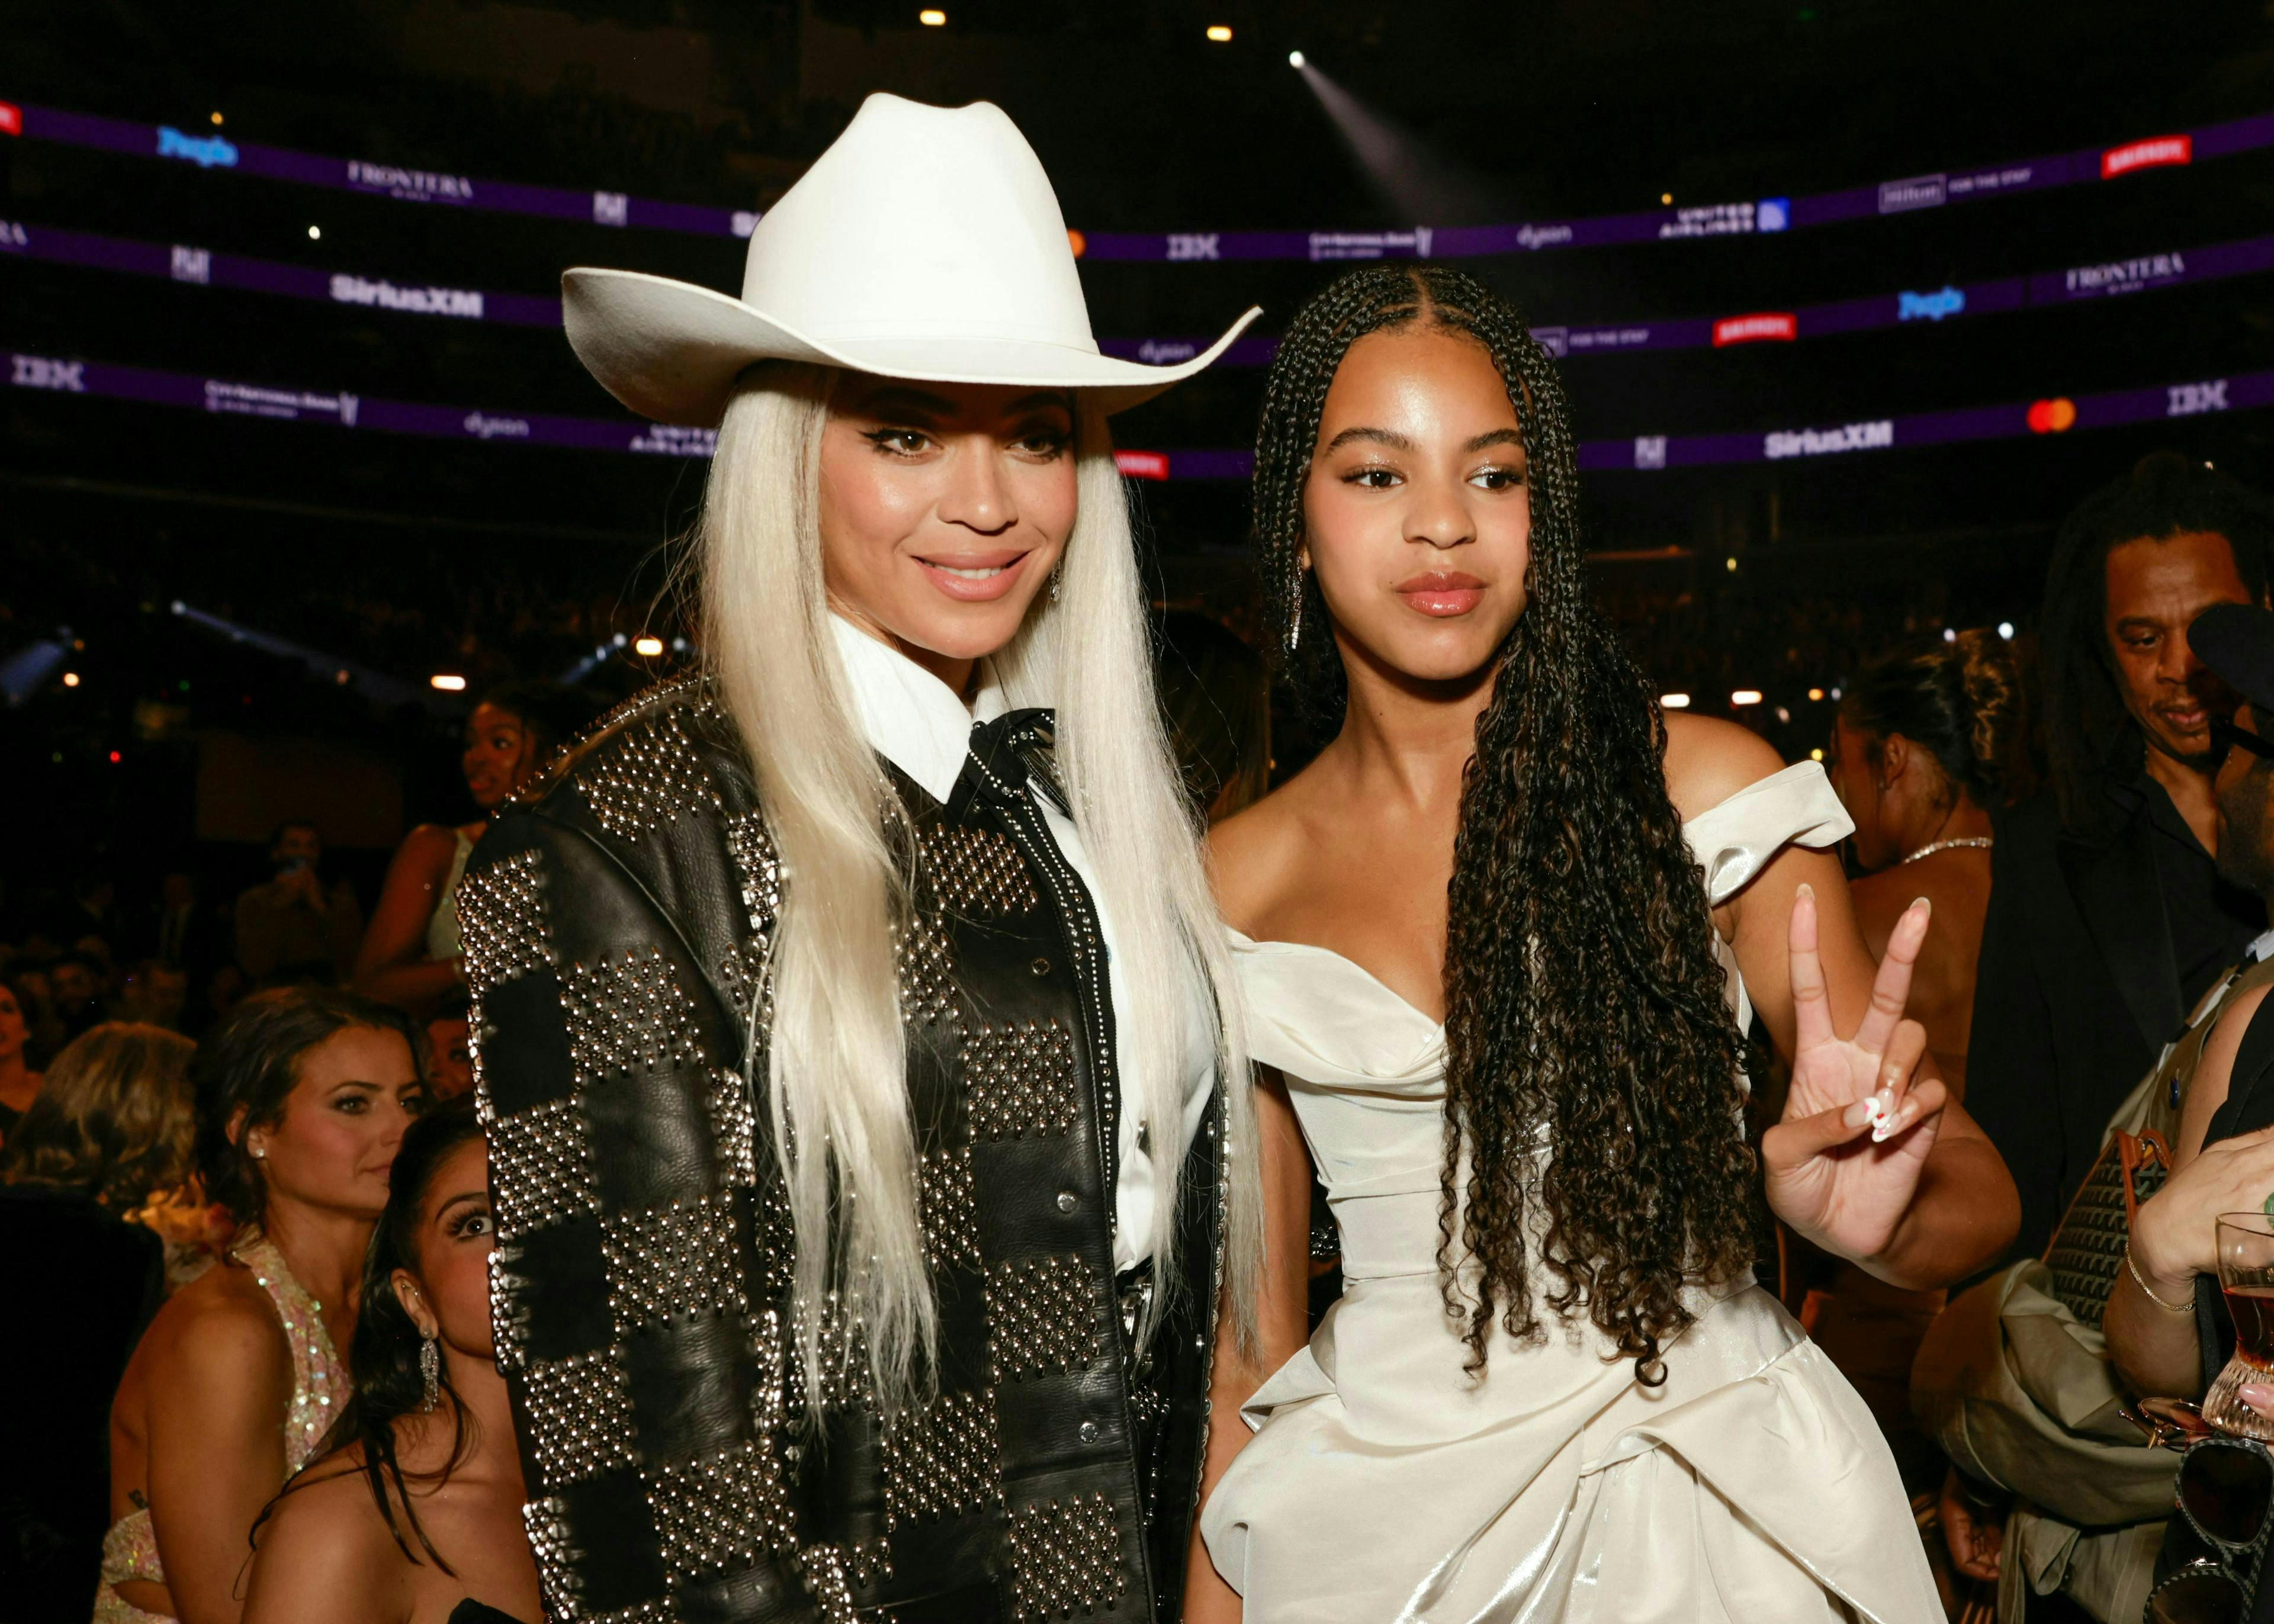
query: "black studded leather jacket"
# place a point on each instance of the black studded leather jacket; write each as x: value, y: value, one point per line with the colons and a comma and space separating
x: 614, y: 922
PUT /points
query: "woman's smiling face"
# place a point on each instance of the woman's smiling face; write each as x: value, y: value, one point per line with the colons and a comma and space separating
x: 944, y: 509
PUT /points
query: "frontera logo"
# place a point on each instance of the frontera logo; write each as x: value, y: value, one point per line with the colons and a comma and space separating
x: 1930, y: 306
x: 409, y: 185
x: 39, y: 372
x: 205, y: 151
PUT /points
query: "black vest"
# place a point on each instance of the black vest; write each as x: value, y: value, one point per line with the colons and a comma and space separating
x: 616, y: 923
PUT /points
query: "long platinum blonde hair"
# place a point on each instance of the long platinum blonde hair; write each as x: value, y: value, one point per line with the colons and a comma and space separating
x: 837, y: 1066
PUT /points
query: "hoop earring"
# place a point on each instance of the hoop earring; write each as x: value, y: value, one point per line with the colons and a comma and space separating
x: 430, y: 1369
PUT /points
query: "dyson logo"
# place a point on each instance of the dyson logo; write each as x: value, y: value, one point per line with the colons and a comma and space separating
x: 1542, y: 236
x: 484, y: 427
x: 207, y: 151
x: 1167, y: 351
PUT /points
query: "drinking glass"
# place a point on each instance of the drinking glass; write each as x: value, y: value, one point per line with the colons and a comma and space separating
x: 2246, y: 1280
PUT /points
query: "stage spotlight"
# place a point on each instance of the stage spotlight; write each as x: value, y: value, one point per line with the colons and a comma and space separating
x: 1673, y: 701
x: 1220, y: 35
x: 1745, y: 696
x: 448, y: 683
x: 216, y: 118
x: 1295, y: 59
x: 933, y: 19
x: 315, y: 233
x: 1665, y: 197
x: 648, y: 646
x: 71, y: 679
x: 2005, y: 630
x: 1413, y: 179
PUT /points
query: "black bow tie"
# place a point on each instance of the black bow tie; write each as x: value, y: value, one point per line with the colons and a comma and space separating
x: 1006, y: 753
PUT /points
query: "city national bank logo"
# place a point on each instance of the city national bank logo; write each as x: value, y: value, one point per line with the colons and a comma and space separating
x: 206, y: 151
x: 1194, y: 245
x: 1898, y: 197
x: 251, y: 400
x: 1829, y: 442
x: 409, y: 185
x: 1167, y: 351
x: 2154, y: 154
x: 466, y: 302
x: 2188, y: 399
x: 2124, y: 276
x: 39, y: 372
x: 483, y: 427
x: 1929, y: 306
x: 1370, y: 245
x: 669, y: 440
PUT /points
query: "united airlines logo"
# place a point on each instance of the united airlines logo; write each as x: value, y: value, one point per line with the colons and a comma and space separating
x: 466, y: 302
x: 41, y: 373
x: 1828, y: 442
x: 1929, y: 306
x: 207, y: 151
x: 666, y: 440
x: 1709, y: 219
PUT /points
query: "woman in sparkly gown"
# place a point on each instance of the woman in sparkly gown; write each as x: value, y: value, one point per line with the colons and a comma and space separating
x: 304, y: 1094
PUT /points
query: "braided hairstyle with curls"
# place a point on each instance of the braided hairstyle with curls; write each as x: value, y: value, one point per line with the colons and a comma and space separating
x: 1583, y: 997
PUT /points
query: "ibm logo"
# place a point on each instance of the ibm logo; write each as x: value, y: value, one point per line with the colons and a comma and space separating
x: 1193, y: 245
x: 193, y: 265
x: 611, y: 208
x: 38, y: 372
x: 2188, y: 399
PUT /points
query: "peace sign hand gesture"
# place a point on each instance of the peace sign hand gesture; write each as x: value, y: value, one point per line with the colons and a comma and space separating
x: 1858, y: 1123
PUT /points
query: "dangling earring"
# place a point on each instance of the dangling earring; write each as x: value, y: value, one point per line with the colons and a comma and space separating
x: 1295, y: 615
x: 1056, y: 571
x: 430, y: 1368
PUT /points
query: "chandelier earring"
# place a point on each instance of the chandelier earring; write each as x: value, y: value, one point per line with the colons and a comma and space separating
x: 1057, y: 570
x: 430, y: 1370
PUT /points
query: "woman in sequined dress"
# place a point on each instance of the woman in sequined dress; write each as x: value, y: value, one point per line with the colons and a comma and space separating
x: 414, y: 1517
x: 303, y: 1096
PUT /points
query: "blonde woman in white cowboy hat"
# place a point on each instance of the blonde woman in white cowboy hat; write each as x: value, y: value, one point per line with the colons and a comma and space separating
x: 851, y: 1015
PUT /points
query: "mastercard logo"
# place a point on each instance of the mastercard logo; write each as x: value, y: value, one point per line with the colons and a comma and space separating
x: 1076, y: 241
x: 2052, y: 417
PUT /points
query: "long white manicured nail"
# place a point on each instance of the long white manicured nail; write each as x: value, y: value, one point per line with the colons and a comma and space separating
x: 1888, y: 1127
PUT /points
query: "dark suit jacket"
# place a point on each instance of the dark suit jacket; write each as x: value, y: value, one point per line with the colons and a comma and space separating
x: 2077, y: 991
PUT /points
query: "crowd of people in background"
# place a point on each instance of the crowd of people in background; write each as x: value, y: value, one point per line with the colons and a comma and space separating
x: 237, y: 1194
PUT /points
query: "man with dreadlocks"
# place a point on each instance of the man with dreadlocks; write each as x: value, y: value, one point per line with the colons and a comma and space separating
x: 1508, y: 1011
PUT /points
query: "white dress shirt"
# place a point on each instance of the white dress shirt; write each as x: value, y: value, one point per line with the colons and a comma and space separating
x: 915, y: 721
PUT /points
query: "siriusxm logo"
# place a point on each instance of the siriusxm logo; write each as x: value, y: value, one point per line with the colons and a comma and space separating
x: 204, y: 151
x: 1929, y: 306
x: 1827, y: 443
x: 466, y: 302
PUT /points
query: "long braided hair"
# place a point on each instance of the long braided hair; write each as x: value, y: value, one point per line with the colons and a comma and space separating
x: 1584, y: 997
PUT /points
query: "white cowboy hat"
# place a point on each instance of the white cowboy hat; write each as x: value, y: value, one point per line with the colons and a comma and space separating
x: 925, y: 244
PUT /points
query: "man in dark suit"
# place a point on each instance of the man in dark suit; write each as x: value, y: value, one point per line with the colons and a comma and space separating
x: 2108, y: 918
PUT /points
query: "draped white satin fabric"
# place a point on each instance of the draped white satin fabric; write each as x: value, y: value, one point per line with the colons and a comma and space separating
x: 1384, y: 1483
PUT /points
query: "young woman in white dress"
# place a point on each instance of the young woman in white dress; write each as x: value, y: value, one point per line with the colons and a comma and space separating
x: 1503, y: 1009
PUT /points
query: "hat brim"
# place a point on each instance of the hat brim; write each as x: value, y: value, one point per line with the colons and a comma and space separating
x: 670, y: 350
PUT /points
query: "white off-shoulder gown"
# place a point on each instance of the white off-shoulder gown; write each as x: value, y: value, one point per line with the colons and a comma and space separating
x: 1383, y: 1484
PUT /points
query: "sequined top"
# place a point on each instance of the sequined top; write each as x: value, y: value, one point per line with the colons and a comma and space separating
x: 320, y: 1388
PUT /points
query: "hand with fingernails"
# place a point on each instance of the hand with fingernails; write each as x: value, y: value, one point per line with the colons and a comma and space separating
x: 1845, y: 1160
x: 2174, y: 1234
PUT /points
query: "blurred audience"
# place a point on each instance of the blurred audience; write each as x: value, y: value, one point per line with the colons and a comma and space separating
x: 1217, y: 698
x: 20, y: 1085
x: 303, y: 1097
x: 114, y: 1122
x: 294, y: 927
x: 2108, y: 918
x: 414, y: 1517
x: 154, y: 993
x: 411, y: 956
x: 76, y: 982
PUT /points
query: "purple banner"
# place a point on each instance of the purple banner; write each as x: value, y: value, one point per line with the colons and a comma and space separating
x: 2162, y: 268
x: 1646, y: 453
x: 1745, y: 217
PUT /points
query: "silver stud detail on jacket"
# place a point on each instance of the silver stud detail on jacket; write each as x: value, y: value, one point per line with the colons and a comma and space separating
x: 540, y: 1168
x: 1041, y: 1316
x: 947, y: 1205
x: 734, y: 1128
x: 942, y: 1459
x: 757, y: 866
x: 580, y: 1417
x: 823, y: 1568
x: 545, y: 1520
x: 662, y: 1610
x: 674, y: 1260
x: 509, y: 1308
x: 625, y: 1013
x: 722, y: 1511
x: 1065, y: 1558
x: 977, y: 873
x: 1020, y: 1080
x: 927, y: 967
x: 501, y: 927
x: 839, y: 1379
x: 647, y: 776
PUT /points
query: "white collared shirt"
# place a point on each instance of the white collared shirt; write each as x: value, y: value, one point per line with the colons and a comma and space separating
x: 914, y: 721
